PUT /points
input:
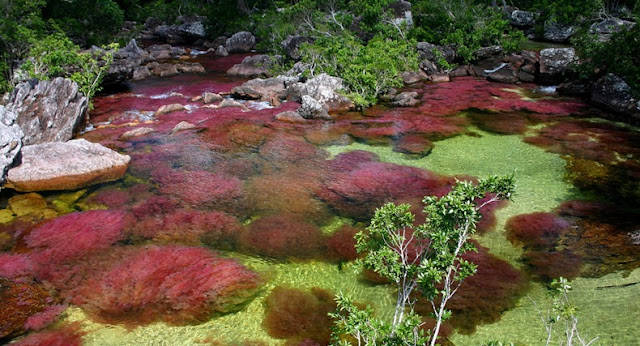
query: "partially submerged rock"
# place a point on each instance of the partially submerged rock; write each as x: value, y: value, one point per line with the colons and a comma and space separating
x: 10, y: 141
x: 252, y: 67
x: 66, y: 166
x: 555, y: 64
x: 614, y: 94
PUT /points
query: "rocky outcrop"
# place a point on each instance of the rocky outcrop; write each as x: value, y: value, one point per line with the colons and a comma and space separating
x: 555, y: 64
x: 66, y: 166
x: 522, y: 19
x: 607, y: 27
x: 311, y: 108
x: 10, y: 141
x: 614, y: 94
x: 558, y: 32
x: 263, y: 89
x: 324, y: 89
x: 48, y: 111
x: 252, y: 67
x: 240, y: 42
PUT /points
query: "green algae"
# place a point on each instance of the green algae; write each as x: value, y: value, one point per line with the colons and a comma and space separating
x: 607, y: 311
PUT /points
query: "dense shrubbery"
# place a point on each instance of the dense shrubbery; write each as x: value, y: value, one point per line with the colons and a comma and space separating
x: 465, y: 25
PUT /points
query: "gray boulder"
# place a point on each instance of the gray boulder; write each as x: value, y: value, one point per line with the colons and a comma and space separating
x: 558, y: 32
x: 10, y: 141
x: 555, y: 64
x: 193, y: 30
x: 522, y: 19
x: 48, y: 111
x: 66, y: 166
x: 240, y: 42
x: 406, y: 99
x: 263, y: 89
x: 310, y: 108
x: 605, y: 28
x: 324, y: 89
x: 614, y: 94
x: 252, y: 67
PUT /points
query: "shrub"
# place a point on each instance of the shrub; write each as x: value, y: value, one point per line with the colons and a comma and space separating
x: 369, y: 70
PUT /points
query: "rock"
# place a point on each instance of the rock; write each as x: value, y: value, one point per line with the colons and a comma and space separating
x: 291, y: 45
x: 526, y: 77
x: 152, y: 23
x: 432, y: 52
x: 411, y: 77
x: 522, y: 19
x: 558, y: 32
x: 506, y: 74
x: 168, y: 33
x: 190, y: 67
x: 555, y: 63
x: 165, y: 70
x: 577, y: 88
x: 141, y: 72
x: 227, y: 103
x: 460, y: 71
x: 209, y: 97
x: 324, y: 89
x: 402, y: 14
x: 10, y: 141
x: 439, y: 78
x: 221, y: 51
x: 240, y: 42
x: 31, y: 204
x: 605, y: 28
x: 290, y: 117
x: 161, y: 55
x: 614, y: 94
x: 311, y: 108
x: 66, y: 166
x: 192, y: 31
x: 137, y: 132
x: 252, y: 67
x: 48, y: 111
x: 487, y: 52
x: 175, y: 107
x: 262, y: 89
x: 181, y: 126
x: 406, y: 99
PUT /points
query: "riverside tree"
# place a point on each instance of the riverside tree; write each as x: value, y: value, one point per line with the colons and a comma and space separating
x: 425, y: 259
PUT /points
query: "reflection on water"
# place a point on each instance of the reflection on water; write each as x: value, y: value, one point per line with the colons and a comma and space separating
x: 261, y: 204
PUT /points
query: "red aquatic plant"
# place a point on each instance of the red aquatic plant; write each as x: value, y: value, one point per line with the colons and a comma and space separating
x: 175, y: 284
x: 287, y: 149
x: 500, y: 123
x: 358, y: 192
x: 536, y: 229
x: 281, y: 236
x: 547, y: 266
x: 68, y: 335
x: 201, y: 189
x: 413, y: 145
x: 350, y: 160
x: 111, y: 198
x: 342, y: 244
x: 189, y: 227
x: 20, y: 301
x: 300, y: 316
x: 44, y: 318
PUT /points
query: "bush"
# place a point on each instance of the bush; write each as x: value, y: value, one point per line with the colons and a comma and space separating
x: 88, y: 22
x: 620, y: 55
x: 369, y: 70
x: 463, y: 24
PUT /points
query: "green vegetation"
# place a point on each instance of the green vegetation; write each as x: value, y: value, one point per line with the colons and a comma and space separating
x: 425, y: 259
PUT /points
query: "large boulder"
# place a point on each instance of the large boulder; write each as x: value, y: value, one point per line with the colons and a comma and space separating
x: 522, y: 19
x: 324, y: 89
x: 240, y: 42
x: 10, y: 141
x: 193, y: 30
x: 66, y: 166
x: 48, y: 111
x: 401, y: 11
x: 310, y: 108
x: 125, y: 62
x: 555, y: 64
x: 614, y: 94
x: 558, y: 32
x: 605, y: 28
x: 263, y: 89
x: 252, y: 67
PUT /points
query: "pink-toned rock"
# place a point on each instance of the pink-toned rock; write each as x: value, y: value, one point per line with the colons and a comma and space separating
x: 175, y: 107
x: 137, y: 132
x: 290, y: 117
x: 66, y: 166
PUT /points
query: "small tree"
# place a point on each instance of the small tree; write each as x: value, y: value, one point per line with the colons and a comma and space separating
x: 425, y: 258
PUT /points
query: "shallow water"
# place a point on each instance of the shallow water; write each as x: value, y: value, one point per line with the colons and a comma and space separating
x: 273, y: 196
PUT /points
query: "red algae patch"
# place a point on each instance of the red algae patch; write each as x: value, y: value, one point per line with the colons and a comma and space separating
x: 68, y: 335
x: 175, y: 284
x: 300, y: 316
x: 282, y: 236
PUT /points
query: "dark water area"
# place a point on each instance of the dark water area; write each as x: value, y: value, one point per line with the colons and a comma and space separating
x: 239, y: 227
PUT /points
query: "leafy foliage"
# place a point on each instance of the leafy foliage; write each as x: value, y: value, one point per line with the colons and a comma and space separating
x: 464, y: 24
x: 369, y: 70
x: 424, y: 258
x: 89, y: 22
